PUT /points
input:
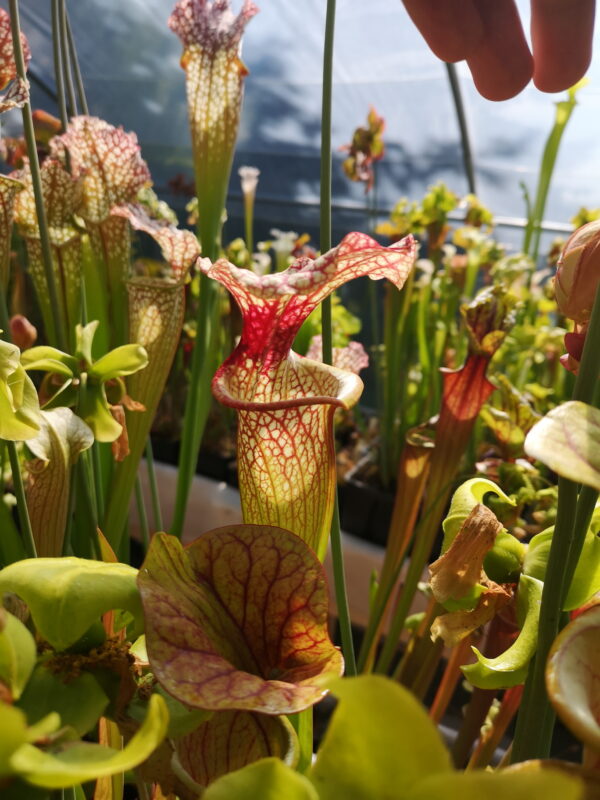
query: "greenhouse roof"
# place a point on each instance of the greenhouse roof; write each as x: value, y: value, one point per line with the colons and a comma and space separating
x: 130, y: 62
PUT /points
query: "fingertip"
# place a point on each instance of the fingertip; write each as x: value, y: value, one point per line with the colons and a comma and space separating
x: 453, y: 29
x: 498, y: 79
x: 562, y: 35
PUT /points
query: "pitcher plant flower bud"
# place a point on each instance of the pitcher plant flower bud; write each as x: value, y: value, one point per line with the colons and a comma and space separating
x: 285, y: 402
x: 578, y: 273
x: 211, y: 36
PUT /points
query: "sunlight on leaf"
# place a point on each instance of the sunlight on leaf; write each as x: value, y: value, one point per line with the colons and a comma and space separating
x: 567, y: 440
x: 67, y: 595
x: 379, y: 737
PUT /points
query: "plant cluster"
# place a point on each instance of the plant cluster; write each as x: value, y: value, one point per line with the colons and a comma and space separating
x: 196, y: 675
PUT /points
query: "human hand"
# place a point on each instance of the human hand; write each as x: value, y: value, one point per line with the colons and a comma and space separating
x: 489, y: 35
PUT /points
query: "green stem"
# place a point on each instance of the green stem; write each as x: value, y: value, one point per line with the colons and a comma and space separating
x: 142, y: 516
x: 19, y: 490
x: 199, y: 397
x: 535, y: 722
x: 66, y: 64
x: 76, y: 69
x: 56, y: 333
x: 97, y: 482
x: 156, y: 511
x: 59, y: 78
x: 249, y: 224
x: 325, y: 243
x: 303, y: 725
x: 461, y: 118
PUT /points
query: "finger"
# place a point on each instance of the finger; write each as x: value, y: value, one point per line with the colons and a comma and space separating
x: 501, y: 64
x: 451, y: 28
x: 561, y: 33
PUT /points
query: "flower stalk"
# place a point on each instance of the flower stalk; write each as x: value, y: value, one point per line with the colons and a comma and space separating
x: 56, y: 332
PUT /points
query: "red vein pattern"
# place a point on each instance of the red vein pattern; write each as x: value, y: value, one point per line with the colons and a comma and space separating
x: 238, y: 620
x: 112, y: 171
x: 61, y: 194
x: 211, y: 36
x: 179, y: 248
x: 228, y: 741
x: 285, y: 402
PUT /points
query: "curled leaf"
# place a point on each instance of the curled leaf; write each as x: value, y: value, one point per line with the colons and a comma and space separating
x: 81, y: 761
x: 67, y: 595
x: 510, y: 668
x: 573, y: 676
x: 238, y: 620
x: 567, y: 440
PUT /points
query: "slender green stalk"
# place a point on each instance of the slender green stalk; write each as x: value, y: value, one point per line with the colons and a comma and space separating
x: 65, y: 60
x: 249, y: 223
x: 325, y: 243
x: 535, y: 722
x: 156, y: 511
x: 59, y: 78
x: 461, y: 118
x: 199, y: 398
x: 142, y: 516
x: 533, y: 230
x: 302, y: 724
x: 96, y: 466
x: 56, y: 334
x: 76, y: 69
x: 19, y: 490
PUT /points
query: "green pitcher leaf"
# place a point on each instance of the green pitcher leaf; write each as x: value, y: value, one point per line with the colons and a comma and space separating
x: 124, y: 360
x: 573, y: 676
x: 230, y: 740
x: 79, y: 701
x: 549, y: 784
x: 268, y: 779
x: 586, y: 580
x: 238, y: 620
x: 510, y: 668
x: 567, y: 440
x: 81, y: 761
x: 380, y: 743
x: 18, y: 653
x: 67, y: 595
x: 62, y: 437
